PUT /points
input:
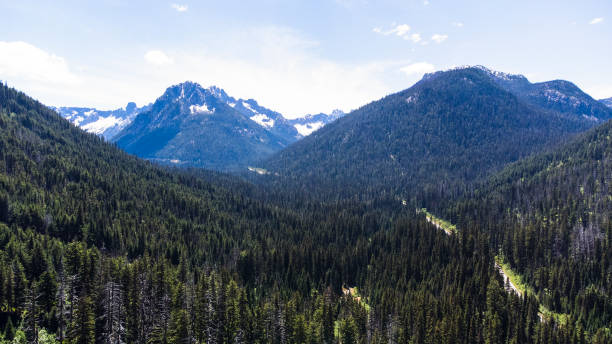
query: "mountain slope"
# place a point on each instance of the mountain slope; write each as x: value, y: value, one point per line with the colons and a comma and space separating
x: 268, y: 119
x: 450, y: 128
x: 100, y: 122
x: 557, y: 95
x: 145, y: 254
x: 607, y: 102
x: 190, y: 125
x: 551, y: 218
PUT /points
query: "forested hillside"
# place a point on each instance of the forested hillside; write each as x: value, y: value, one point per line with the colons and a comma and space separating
x: 450, y: 129
x: 97, y: 246
x: 551, y: 218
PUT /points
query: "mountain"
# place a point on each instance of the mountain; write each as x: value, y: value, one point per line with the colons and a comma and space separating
x: 557, y: 95
x: 214, y: 145
x: 450, y: 128
x: 607, y: 102
x: 268, y: 119
x: 101, y: 122
x: 308, y: 124
x: 203, y: 127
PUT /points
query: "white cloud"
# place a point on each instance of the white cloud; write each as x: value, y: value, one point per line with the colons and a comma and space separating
x: 399, y: 30
x: 280, y: 68
x: 418, y: 68
x: 438, y: 38
x: 158, y: 58
x: 179, y: 8
x: 457, y: 24
x: 596, y: 20
x: 415, y: 37
x: 23, y: 61
x: 426, y: 2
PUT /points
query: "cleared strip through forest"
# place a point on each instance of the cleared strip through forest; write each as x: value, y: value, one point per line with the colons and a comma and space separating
x: 511, y: 279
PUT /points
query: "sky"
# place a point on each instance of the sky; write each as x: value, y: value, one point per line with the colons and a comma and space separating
x: 295, y: 57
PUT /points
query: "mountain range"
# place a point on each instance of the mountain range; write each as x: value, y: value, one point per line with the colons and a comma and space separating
x: 238, y: 133
x: 607, y: 101
x: 97, y: 244
x: 106, y: 123
x: 451, y: 128
x: 194, y: 126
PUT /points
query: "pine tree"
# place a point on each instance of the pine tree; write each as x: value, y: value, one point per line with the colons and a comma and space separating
x: 82, y: 329
x: 494, y: 327
x: 31, y: 317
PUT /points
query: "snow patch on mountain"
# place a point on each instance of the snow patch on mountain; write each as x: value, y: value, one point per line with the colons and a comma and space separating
x: 203, y: 108
x: 308, y: 128
x: 249, y: 107
x: 103, y: 123
x: 263, y: 120
x: 106, y: 123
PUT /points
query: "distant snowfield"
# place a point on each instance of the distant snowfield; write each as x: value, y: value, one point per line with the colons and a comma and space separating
x: 309, y: 128
x: 102, y: 124
x: 263, y: 120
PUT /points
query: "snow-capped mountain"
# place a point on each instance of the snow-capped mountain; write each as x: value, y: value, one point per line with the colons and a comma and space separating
x: 195, y: 126
x: 106, y: 123
x: 274, y: 121
x: 310, y: 123
x: 607, y: 102
x: 266, y: 118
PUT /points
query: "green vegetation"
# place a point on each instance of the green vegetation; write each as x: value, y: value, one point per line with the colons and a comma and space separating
x: 426, y: 144
x: 99, y: 246
x: 515, y: 278
x: 550, y: 216
x: 448, y: 227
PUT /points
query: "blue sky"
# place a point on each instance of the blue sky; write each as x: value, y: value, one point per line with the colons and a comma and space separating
x: 295, y: 57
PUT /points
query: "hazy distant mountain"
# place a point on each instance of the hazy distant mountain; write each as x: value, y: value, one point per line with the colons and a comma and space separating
x: 607, y: 102
x: 308, y: 124
x: 106, y: 123
x: 558, y: 95
x: 450, y: 128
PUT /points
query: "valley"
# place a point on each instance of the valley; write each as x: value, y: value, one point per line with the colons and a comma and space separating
x: 313, y: 239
